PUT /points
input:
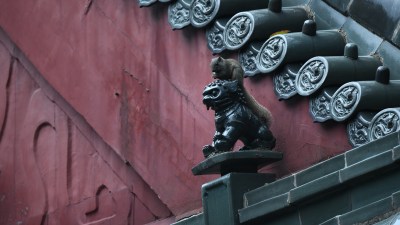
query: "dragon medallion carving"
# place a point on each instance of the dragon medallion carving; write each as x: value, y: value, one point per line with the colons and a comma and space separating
x: 238, y: 30
x: 310, y: 76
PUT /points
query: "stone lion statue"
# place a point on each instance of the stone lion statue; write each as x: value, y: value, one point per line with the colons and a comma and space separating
x: 234, y: 120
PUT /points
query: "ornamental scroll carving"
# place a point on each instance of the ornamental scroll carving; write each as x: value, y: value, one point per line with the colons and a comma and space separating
x: 178, y: 14
x: 310, y: 75
x: 247, y: 58
x: 215, y: 36
x: 385, y: 122
x: 146, y: 2
x: 238, y: 30
x: 344, y: 101
x: 320, y: 105
x: 357, y: 129
x: 203, y: 12
x: 284, y: 79
x: 271, y: 54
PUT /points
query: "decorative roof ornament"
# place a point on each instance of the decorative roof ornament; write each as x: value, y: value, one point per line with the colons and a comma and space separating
x: 204, y: 12
x: 299, y: 47
x: 385, y: 122
x: 258, y: 25
x: 366, y: 95
x: 247, y: 58
x: 357, y: 128
x: 214, y: 35
x: 178, y: 14
x: 320, y: 105
x: 326, y: 71
x: 145, y: 3
x: 283, y: 80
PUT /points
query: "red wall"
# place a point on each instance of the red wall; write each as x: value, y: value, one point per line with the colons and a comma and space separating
x: 135, y: 86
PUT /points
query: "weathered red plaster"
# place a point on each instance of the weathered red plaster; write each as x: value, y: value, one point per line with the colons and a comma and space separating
x: 138, y: 84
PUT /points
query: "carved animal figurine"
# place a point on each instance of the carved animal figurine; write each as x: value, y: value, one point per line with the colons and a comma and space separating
x: 233, y: 119
x: 230, y: 69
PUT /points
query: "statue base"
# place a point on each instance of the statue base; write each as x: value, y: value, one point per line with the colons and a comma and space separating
x: 249, y: 161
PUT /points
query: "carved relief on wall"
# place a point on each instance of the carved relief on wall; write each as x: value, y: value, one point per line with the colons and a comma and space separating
x: 6, y: 65
x: 58, y: 173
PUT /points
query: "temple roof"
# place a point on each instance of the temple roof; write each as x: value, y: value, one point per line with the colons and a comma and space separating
x: 327, y: 50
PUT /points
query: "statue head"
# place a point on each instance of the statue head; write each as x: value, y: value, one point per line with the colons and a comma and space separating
x: 220, y: 94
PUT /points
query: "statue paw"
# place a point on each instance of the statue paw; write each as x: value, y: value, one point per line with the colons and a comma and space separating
x: 208, y: 150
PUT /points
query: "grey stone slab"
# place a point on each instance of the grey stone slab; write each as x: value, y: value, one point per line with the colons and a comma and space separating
x: 366, y: 166
x: 270, y: 190
x: 366, y: 41
x: 318, y: 186
x: 326, y: 17
x: 373, y: 148
x: 193, y: 220
x: 390, y: 56
x: 239, y: 161
x: 320, y: 170
x: 263, y: 208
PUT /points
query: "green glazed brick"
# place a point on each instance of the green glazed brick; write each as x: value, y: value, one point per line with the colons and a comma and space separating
x: 289, y: 219
x: 325, y: 208
x: 319, y: 170
x: 396, y: 199
x: 366, y: 166
x: 367, y: 212
x: 193, y: 220
x: 333, y: 221
x: 270, y: 190
x: 321, y: 185
x: 264, y: 208
x: 371, y: 149
x: 375, y: 188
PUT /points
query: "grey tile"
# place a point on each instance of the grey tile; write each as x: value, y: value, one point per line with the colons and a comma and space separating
x: 340, y: 5
x: 366, y: 166
x: 373, y: 148
x: 367, y: 42
x: 270, y: 190
x: 379, y: 16
x: 321, y: 185
x: 367, y: 212
x: 391, y: 58
x: 193, y: 220
x: 326, y: 17
x: 326, y: 208
x: 263, y: 208
x: 375, y: 188
x: 320, y: 169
